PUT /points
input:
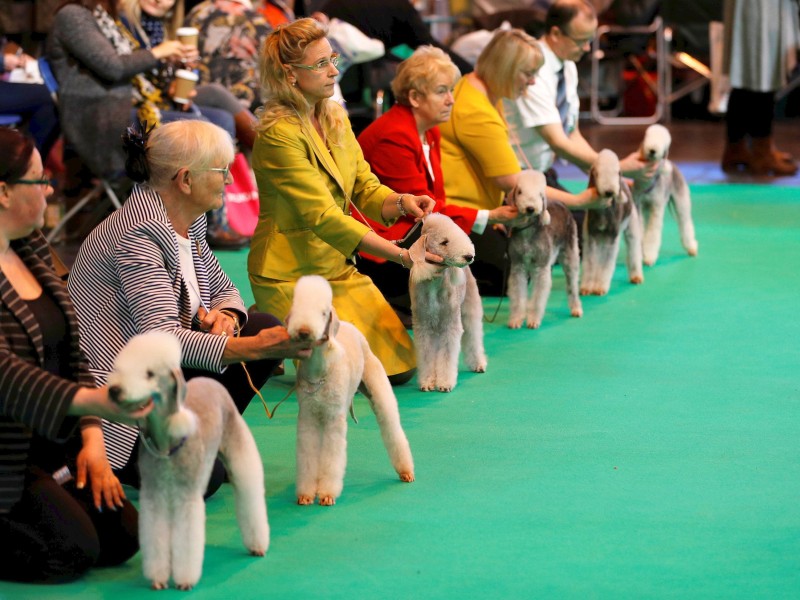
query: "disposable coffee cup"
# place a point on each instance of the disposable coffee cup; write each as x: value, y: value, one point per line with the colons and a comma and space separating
x: 185, y: 81
x: 188, y: 36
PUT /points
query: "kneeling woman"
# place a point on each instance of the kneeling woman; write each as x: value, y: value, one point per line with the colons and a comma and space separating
x: 311, y: 174
x: 52, y: 528
x: 148, y: 266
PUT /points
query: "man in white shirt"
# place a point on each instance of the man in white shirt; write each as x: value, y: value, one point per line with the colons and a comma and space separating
x: 543, y: 123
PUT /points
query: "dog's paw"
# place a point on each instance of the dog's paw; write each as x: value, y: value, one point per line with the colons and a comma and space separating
x: 427, y: 385
x: 407, y: 477
x: 443, y: 387
x: 637, y: 279
x: 159, y: 585
x: 577, y: 312
x: 585, y: 291
x: 534, y: 324
x: 304, y: 500
x: 184, y: 587
x: 648, y: 262
x: 691, y: 249
x: 257, y: 551
x: 479, y: 368
x: 327, y: 500
x: 515, y: 323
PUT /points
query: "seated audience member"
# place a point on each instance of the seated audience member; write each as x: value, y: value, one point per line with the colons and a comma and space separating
x: 231, y: 33
x: 53, y: 528
x: 478, y: 162
x: 311, y: 174
x: 31, y: 101
x: 544, y: 120
x: 403, y: 149
x: 148, y: 267
x: 394, y: 22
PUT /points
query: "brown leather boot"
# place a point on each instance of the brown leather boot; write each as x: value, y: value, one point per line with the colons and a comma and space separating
x: 736, y: 155
x: 767, y: 160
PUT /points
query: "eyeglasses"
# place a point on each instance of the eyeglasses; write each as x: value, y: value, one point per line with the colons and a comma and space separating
x: 224, y: 170
x: 321, y: 65
x: 580, y: 42
x: 43, y: 182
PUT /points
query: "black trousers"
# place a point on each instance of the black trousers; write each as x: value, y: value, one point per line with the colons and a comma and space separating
x: 54, y: 534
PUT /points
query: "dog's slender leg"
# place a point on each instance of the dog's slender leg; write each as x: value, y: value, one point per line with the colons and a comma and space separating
x: 682, y: 201
x: 472, y: 322
x: 651, y: 240
x: 633, y: 244
x: 608, y: 249
x: 384, y: 405
x: 332, y: 459
x: 426, y: 359
x: 447, y: 356
x: 589, y: 264
x: 542, y: 284
x: 188, y: 540
x: 517, y: 292
x: 243, y: 463
x: 154, y: 536
x: 308, y: 450
x: 570, y: 262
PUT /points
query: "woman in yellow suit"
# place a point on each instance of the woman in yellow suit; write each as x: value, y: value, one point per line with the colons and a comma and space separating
x: 311, y: 175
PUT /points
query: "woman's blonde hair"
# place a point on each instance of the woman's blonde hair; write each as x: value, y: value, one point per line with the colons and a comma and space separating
x: 419, y: 72
x: 284, y: 47
x: 506, y: 54
x: 132, y: 11
x: 188, y: 143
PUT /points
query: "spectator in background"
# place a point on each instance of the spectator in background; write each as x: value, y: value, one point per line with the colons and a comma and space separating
x: 762, y: 42
x: 231, y: 35
x: 31, y: 101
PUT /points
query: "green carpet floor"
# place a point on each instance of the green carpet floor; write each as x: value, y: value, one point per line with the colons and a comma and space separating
x: 647, y: 450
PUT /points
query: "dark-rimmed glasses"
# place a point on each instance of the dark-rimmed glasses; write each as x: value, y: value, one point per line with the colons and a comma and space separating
x: 43, y: 181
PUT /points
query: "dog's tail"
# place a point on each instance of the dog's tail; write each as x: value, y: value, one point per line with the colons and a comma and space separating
x: 378, y: 390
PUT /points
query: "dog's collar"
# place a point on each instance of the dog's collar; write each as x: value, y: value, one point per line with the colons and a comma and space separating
x: 163, y: 455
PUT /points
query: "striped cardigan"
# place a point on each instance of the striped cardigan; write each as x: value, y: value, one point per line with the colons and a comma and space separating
x: 127, y: 280
x: 31, y: 399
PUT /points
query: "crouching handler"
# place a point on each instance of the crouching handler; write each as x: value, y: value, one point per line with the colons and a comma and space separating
x: 148, y: 267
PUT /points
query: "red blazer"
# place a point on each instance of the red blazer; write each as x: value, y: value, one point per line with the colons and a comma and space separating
x: 392, y: 147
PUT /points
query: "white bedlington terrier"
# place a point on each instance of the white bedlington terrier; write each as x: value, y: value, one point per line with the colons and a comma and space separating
x: 667, y: 187
x: 326, y: 384
x: 446, y: 309
x: 190, y: 423
x: 549, y: 234
x: 603, y: 228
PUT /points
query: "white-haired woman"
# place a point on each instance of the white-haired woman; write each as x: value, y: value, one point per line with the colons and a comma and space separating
x: 311, y: 174
x: 148, y: 267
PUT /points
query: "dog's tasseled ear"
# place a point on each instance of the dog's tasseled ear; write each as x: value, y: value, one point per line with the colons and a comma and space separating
x: 625, y: 194
x: 333, y: 329
x: 182, y: 422
x: 180, y: 386
x: 544, y: 218
x: 417, y: 250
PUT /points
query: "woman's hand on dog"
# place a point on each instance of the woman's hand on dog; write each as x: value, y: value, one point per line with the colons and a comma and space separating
x: 92, y: 464
x: 637, y: 168
x: 95, y: 402
x: 273, y: 342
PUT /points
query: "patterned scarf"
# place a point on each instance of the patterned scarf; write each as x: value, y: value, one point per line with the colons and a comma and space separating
x: 146, y: 97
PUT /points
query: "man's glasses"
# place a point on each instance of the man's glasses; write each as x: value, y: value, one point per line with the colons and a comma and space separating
x: 43, y: 182
x: 580, y: 42
x: 321, y: 65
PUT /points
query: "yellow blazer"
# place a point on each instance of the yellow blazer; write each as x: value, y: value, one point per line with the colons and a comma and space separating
x: 305, y: 193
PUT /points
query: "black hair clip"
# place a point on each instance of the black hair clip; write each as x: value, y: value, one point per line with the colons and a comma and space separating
x: 134, y: 142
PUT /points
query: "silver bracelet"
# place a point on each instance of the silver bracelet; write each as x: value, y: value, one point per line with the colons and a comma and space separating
x: 400, y: 208
x: 402, y: 262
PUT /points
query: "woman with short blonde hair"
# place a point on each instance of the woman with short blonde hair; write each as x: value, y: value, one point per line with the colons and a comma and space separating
x: 419, y: 72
